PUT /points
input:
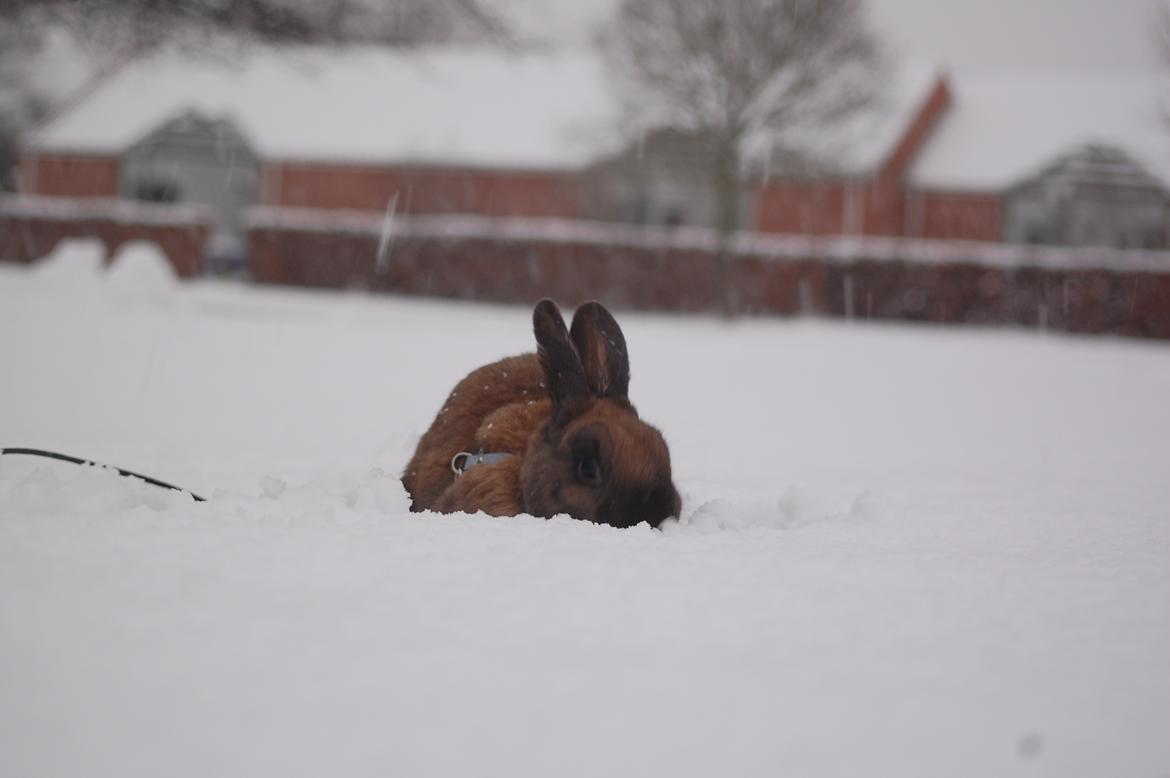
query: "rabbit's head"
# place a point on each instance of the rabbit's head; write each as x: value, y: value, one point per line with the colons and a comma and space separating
x: 595, y: 459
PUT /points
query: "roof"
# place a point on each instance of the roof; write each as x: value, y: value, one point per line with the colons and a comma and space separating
x: 192, y: 129
x: 859, y: 145
x: 477, y: 106
x: 1003, y: 128
x: 481, y: 107
x: 1098, y: 165
x: 484, y: 107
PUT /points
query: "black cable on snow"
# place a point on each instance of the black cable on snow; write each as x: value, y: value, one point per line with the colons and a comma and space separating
x: 36, y: 452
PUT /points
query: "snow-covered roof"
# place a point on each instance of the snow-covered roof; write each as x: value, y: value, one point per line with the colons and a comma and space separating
x: 478, y: 106
x: 484, y: 107
x: 1105, y: 166
x: 1002, y: 128
x: 481, y: 107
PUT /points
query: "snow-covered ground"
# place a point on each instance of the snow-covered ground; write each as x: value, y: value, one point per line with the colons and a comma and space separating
x: 904, y: 551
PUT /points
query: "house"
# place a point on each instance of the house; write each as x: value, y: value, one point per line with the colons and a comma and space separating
x: 850, y: 180
x: 857, y: 181
x: 1095, y: 196
x: 664, y: 178
x: 1018, y: 157
x: 195, y: 159
x: 424, y: 131
x: 1010, y: 139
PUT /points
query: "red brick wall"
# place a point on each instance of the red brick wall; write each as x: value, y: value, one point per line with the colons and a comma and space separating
x: 883, y: 208
x: 70, y: 176
x: 954, y: 216
x: 885, y: 204
x: 810, y: 209
x: 423, y: 190
x: 508, y: 270
x: 832, y: 208
x: 26, y: 237
x: 1096, y: 301
x: 659, y: 273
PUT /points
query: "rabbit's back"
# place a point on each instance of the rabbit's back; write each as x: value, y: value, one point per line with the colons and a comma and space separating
x: 494, y: 409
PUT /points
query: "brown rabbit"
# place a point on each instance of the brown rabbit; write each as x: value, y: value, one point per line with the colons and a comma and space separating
x: 548, y: 433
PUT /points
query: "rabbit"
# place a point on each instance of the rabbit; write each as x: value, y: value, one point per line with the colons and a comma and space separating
x: 560, y: 434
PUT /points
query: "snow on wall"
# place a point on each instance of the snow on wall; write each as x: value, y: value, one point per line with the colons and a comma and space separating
x: 520, y: 260
x: 30, y: 227
x: 69, y: 209
x: 834, y: 249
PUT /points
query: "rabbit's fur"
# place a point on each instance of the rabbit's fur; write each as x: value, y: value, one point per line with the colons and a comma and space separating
x: 577, y: 444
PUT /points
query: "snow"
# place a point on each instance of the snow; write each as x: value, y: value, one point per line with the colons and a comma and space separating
x: 831, y: 249
x: 73, y: 262
x: 903, y: 551
x: 467, y: 106
x: 1005, y: 126
x: 74, y: 209
x: 138, y: 273
x: 140, y: 270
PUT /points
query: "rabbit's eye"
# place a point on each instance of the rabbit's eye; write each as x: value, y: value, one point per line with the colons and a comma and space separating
x: 589, y: 471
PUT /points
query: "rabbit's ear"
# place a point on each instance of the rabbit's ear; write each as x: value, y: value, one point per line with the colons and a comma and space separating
x: 602, y: 349
x: 563, y: 375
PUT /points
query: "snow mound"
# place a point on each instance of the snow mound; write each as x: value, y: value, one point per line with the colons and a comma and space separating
x: 73, y: 263
x: 140, y: 270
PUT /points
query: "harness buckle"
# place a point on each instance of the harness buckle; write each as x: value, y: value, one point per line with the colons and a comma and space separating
x: 458, y: 467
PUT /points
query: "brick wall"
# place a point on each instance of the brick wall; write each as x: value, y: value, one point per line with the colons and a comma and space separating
x: 423, y: 190
x: 658, y: 269
x: 1086, y: 300
x: 31, y: 227
x: 954, y: 216
x: 832, y: 208
x: 505, y: 270
x: 810, y: 209
x: 66, y: 175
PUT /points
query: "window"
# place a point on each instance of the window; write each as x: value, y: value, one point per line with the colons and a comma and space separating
x: 157, y: 191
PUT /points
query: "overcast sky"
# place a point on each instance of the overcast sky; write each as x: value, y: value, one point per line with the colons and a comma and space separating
x: 1065, y: 34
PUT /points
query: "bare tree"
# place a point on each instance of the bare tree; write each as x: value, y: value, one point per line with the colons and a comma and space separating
x: 19, y: 105
x: 139, y: 24
x: 1160, y: 29
x: 734, y: 69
